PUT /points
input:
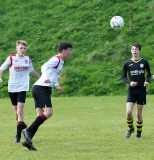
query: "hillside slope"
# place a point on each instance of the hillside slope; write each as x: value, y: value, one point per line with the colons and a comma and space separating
x: 99, y: 51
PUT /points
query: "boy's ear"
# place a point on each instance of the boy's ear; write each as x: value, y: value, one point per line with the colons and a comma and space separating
x: 64, y: 50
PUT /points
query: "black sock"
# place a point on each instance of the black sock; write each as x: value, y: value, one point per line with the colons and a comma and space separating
x: 38, y: 121
x: 20, y: 127
x: 33, y: 132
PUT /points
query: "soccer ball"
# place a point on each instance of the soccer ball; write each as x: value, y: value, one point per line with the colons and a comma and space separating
x: 117, y: 22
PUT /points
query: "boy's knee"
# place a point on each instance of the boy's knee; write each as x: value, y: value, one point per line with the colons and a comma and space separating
x: 49, y: 113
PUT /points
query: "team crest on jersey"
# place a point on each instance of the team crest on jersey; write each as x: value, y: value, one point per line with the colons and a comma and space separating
x: 26, y: 62
x: 141, y: 65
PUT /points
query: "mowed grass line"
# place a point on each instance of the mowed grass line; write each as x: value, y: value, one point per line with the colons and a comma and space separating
x: 81, y: 128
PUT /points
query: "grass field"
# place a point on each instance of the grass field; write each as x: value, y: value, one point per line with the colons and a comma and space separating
x: 81, y: 128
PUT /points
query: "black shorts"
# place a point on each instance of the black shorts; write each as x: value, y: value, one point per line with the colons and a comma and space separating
x: 137, y: 94
x: 41, y: 96
x: 17, y: 97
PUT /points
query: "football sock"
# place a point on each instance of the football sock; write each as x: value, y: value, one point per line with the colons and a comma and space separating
x: 139, y: 127
x: 130, y: 123
x: 20, y: 127
x: 38, y: 121
x: 33, y: 132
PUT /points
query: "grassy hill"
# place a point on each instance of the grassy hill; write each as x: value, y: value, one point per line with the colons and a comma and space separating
x: 99, y: 51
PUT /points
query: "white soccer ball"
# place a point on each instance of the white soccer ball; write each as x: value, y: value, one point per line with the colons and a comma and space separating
x: 117, y: 22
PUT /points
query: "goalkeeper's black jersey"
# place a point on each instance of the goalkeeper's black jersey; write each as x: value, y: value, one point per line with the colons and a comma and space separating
x: 137, y: 71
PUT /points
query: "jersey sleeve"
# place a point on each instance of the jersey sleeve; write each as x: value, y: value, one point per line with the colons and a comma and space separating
x: 6, y: 64
x: 31, y: 68
x: 125, y: 74
x: 147, y: 72
x: 49, y: 64
x: 56, y: 83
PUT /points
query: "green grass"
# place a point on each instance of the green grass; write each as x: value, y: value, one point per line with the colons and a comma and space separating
x: 99, y: 51
x: 82, y: 128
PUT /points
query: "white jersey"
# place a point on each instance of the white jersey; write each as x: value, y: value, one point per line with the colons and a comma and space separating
x: 51, y: 70
x: 19, y: 69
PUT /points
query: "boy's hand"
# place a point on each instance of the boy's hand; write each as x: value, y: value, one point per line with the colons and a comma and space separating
x: 146, y: 84
x: 133, y: 84
x: 47, y: 81
x: 60, y: 90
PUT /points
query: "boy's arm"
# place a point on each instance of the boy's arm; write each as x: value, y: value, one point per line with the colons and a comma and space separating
x: 1, y: 72
x: 35, y: 74
x: 3, y: 67
x: 148, y: 73
x: 124, y: 74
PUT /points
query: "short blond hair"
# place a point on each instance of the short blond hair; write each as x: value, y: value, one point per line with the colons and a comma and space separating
x: 21, y: 42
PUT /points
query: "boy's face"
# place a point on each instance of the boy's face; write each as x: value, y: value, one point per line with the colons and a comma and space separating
x: 135, y: 51
x: 67, y: 53
x: 21, y: 49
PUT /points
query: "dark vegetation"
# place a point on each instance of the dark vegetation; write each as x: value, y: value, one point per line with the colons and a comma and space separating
x: 99, y: 51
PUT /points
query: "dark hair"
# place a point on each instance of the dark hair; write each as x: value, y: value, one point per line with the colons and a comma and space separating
x: 137, y: 45
x: 64, y: 45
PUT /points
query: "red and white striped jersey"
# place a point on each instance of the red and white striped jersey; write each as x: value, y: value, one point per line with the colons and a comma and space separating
x: 19, y: 69
x: 51, y: 70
